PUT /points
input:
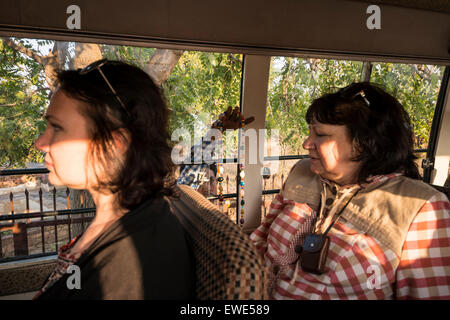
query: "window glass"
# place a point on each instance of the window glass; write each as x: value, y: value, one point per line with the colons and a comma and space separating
x: 295, y: 82
x: 417, y: 87
x: 198, y: 87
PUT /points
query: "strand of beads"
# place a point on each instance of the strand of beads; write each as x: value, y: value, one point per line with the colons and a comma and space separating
x: 242, y: 172
x: 241, y: 194
x: 220, y: 181
x: 227, y: 202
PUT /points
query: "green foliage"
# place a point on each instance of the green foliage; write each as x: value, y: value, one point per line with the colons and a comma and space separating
x: 23, y: 98
x: 293, y: 84
x: 137, y: 56
x: 417, y: 89
x: 202, y: 85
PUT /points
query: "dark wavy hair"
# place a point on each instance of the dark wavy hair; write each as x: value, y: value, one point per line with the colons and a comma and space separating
x: 147, y: 168
x: 378, y: 125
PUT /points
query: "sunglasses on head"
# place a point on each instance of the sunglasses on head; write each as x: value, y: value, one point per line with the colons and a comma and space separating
x: 362, y: 94
x: 97, y: 66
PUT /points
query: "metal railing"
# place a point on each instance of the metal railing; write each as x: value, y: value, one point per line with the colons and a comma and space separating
x: 37, y: 233
x: 45, y: 231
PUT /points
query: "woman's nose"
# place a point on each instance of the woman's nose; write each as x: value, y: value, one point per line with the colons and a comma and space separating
x: 41, y: 143
x: 308, y: 143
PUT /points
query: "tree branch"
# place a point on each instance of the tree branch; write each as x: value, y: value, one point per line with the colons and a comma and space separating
x: 28, y: 100
x: 12, y: 117
x: 161, y: 64
x: 22, y: 49
x: 233, y: 58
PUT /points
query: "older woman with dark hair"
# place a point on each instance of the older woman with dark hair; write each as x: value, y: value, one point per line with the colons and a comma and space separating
x: 354, y: 221
x: 107, y: 132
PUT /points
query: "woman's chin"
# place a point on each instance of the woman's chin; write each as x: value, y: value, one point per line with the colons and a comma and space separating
x: 53, y: 180
x: 315, y: 167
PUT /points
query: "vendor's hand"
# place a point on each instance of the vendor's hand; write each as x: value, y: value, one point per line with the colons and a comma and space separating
x: 231, y: 119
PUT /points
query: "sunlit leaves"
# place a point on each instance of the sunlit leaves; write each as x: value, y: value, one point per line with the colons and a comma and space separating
x: 417, y: 88
x: 23, y: 97
x: 201, y: 86
x: 293, y: 84
x: 204, y: 84
x: 137, y: 56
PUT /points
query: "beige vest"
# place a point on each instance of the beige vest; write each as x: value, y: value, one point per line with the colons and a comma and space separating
x: 383, y: 211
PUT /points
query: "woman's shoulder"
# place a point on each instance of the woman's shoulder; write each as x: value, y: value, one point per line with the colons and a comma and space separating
x: 154, y: 214
x: 146, y: 232
x: 410, y: 186
x: 302, y: 185
x: 146, y: 256
x: 301, y: 171
x: 151, y: 221
x: 154, y: 222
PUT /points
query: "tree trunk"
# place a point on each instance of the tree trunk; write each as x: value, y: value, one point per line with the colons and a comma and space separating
x: 366, y: 71
x: 85, y: 54
x: 161, y: 64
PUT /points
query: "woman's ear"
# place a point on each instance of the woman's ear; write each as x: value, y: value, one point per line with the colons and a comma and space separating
x: 356, y: 149
x: 121, y: 138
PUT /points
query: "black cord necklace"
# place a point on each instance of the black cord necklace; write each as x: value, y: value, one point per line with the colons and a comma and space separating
x: 314, y: 252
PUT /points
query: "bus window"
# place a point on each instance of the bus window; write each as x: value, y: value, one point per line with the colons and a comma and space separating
x: 198, y: 87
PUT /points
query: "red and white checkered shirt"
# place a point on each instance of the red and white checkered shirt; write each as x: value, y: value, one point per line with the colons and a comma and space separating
x: 358, y: 266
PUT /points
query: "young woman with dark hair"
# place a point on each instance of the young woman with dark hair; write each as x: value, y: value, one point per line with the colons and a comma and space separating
x: 107, y: 133
x: 354, y: 221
